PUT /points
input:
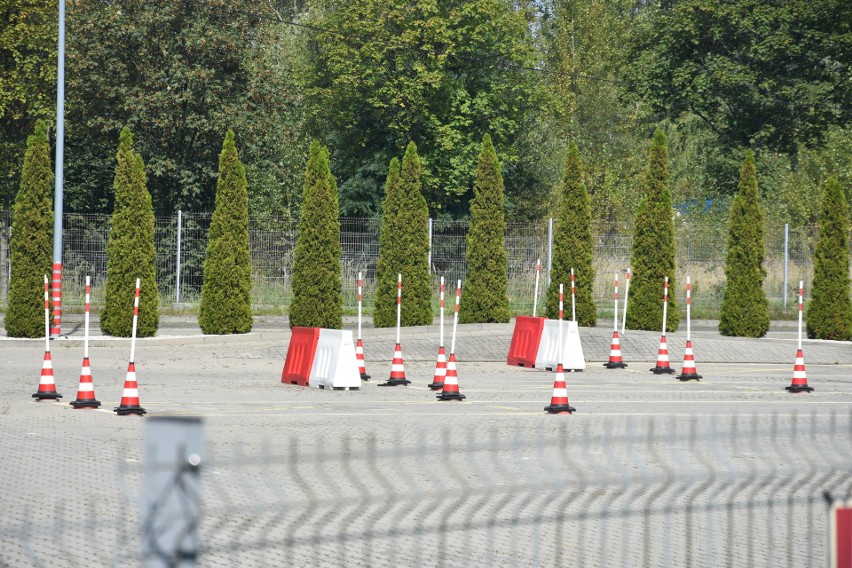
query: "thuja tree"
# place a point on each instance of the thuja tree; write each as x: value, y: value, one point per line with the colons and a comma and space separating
x: 404, y: 246
x: 130, y: 249
x: 317, y: 273
x: 31, y: 243
x: 485, y: 298
x: 653, y: 247
x: 226, y: 290
x: 829, y: 314
x: 572, y: 244
x: 745, y: 311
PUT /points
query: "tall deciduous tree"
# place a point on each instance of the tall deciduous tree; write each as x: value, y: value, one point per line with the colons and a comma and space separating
x: 32, y: 239
x: 404, y: 247
x: 829, y: 314
x: 572, y: 244
x: 653, y: 247
x: 317, y: 273
x: 226, y: 291
x: 130, y: 249
x: 745, y: 311
x: 485, y: 291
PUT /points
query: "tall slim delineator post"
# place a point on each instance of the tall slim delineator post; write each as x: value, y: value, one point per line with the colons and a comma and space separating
x: 549, y: 248
x: 450, y: 388
x: 177, y: 260
x: 573, y: 299
x: 663, y: 354
x: 359, y: 344
x: 800, y: 377
x: 626, y: 292
x: 786, y: 248
x: 561, y: 361
x: 689, y: 372
x: 535, y: 294
x: 397, y: 375
x: 430, y: 245
x: 615, y: 360
x: 46, y: 386
x: 56, y: 268
x: 86, y: 390
x: 559, y: 399
x: 130, y: 395
x: 441, y: 365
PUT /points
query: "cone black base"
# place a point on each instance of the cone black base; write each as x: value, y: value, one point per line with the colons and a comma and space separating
x: 798, y: 388
x: 125, y: 410
x: 365, y: 377
x: 560, y: 409
x: 435, y: 386
x: 662, y: 370
x: 612, y: 365
x: 39, y: 396
x: 85, y: 403
x: 395, y: 382
x: 450, y: 396
x: 689, y: 377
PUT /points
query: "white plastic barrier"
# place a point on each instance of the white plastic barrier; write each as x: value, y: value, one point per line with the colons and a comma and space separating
x: 335, y: 365
x: 548, y: 349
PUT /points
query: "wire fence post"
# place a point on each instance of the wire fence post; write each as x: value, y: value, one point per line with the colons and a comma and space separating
x: 549, y: 248
x: 430, y: 245
x: 786, y: 249
x: 177, y: 261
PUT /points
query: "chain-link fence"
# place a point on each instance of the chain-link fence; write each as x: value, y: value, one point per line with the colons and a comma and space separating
x: 181, y: 243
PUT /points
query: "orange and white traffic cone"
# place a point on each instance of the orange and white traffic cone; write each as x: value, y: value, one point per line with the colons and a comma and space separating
x: 440, y: 370
x: 450, y: 390
x: 397, y: 375
x: 359, y: 356
x: 86, y: 389
x: 559, y: 398
x: 130, y: 396
x: 689, y: 372
x: 800, y: 378
x: 662, y: 359
x: 615, y: 360
x: 46, y: 385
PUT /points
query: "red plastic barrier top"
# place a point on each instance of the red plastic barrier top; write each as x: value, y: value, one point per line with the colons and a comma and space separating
x: 525, y: 341
x: 300, y: 355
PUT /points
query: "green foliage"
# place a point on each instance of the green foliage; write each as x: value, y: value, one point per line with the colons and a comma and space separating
x: 32, y: 239
x: 404, y: 247
x: 745, y: 310
x: 653, y: 247
x: 573, y: 245
x: 317, y: 273
x: 485, y: 298
x: 226, y: 290
x: 760, y: 74
x: 130, y: 249
x: 438, y: 72
x: 829, y: 314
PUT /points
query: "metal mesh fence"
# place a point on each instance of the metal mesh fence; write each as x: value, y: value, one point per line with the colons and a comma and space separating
x: 701, y: 250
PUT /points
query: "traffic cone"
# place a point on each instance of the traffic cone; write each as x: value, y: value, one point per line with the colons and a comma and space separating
x: 559, y: 398
x: 800, y: 379
x: 615, y: 361
x: 130, y: 397
x: 689, y: 372
x: 86, y: 390
x: 397, y: 376
x: 46, y: 386
x: 662, y: 359
x: 359, y: 356
x: 450, y: 390
x: 440, y: 370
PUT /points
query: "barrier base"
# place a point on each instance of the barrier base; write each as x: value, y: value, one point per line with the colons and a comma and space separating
x: 365, y: 377
x: 450, y: 396
x: 662, y: 370
x: 559, y: 409
x: 798, y: 388
x: 395, y: 382
x: 85, y: 403
x: 615, y: 365
x: 125, y: 410
x: 39, y: 396
x: 689, y: 377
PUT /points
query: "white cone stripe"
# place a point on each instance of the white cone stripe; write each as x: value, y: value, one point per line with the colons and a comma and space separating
x: 397, y: 368
x: 442, y: 358
x: 663, y: 358
x: 47, y: 380
x: 86, y: 372
x: 440, y: 372
x: 560, y: 393
x: 130, y: 393
x: 48, y: 364
x: 86, y: 387
x: 799, y: 375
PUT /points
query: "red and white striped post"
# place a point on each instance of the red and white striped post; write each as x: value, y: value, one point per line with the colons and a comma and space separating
x: 689, y: 372
x: 615, y: 360
x: 573, y: 299
x: 663, y: 353
x: 397, y: 375
x: 130, y: 396
x: 559, y: 399
x: 537, y: 274
x: 626, y: 292
x: 441, y: 365
x: 450, y: 389
x: 800, y: 377
x: 46, y: 385
x: 359, y: 345
x: 86, y: 389
x: 56, y: 269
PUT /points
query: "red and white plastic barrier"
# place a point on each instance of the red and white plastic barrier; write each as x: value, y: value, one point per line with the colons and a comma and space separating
x: 334, y: 364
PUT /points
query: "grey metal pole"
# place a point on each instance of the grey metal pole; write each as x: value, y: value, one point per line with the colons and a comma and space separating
x: 549, y: 248
x: 177, y: 260
x: 786, y: 242
x: 430, y: 245
x: 58, y: 180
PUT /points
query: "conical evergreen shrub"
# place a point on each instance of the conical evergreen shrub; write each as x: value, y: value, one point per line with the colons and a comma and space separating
x: 31, y: 243
x: 130, y: 249
x: 226, y: 289
x: 484, y: 294
x: 573, y: 245
x: 404, y: 247
x: 317, y: 273
x: 829, y: 313
x: 653, y: 247
x: 745, y: 311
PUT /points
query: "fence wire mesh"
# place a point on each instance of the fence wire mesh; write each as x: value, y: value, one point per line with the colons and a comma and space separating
x: 701, y: 251
x: 637, y: 491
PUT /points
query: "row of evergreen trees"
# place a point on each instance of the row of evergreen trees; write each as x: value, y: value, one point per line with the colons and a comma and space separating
x: 317, y: 278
